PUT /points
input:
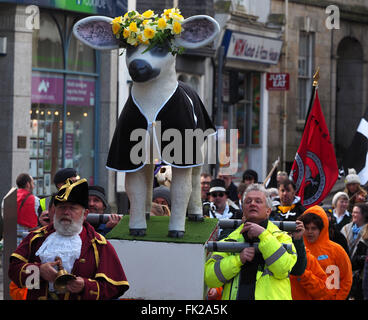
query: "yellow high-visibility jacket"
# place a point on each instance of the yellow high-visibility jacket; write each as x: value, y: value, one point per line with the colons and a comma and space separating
x: 272, y: 283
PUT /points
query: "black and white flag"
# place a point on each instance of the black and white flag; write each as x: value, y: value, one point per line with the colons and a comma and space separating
x: 356, y: 156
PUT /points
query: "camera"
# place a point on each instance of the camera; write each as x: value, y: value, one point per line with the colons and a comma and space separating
x: 288, y: 226
x: 207, y: 208
x: 95, y: 219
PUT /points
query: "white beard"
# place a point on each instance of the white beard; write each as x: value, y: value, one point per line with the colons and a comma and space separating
x: 68, y: 229
x: 64, y: 243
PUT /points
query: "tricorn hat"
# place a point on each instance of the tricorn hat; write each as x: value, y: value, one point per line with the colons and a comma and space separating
x: 76, y: 192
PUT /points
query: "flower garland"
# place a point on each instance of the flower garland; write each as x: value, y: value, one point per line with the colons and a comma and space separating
x: 149, y: 29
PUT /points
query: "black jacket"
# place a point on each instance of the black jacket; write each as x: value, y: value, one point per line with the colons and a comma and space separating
x: 295, y: 212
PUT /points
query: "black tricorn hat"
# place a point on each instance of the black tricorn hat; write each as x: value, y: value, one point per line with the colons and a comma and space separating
x: 76, y: 192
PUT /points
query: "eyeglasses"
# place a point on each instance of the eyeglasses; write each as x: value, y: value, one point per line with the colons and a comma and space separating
x: 217, y: 194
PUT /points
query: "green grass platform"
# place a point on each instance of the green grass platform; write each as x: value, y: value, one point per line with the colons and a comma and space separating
x: 157, y: 229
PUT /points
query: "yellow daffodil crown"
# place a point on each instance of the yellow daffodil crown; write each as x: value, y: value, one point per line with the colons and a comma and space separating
x: 148, y: 28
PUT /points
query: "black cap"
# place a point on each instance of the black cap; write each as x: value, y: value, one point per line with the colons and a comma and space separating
x: 63, y: 174
x: 98, y: 191
x: 76, y: 192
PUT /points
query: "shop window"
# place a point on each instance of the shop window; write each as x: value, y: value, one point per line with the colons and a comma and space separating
x: 47, y: 50
x: 241, y: 105
x: 46, y: 131
x: 241, y: 110
x: 305, y: 71
x: 80, y: 57
x: 79, y: 126
x: 63, y: 105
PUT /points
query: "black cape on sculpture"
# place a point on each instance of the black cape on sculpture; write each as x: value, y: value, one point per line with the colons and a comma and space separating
x: 184, y: 110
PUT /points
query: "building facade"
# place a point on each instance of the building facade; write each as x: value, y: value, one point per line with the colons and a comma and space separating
x: 247, y: 50
x: 54, y: 97
x: 60, y: 99
x: 331, y: 36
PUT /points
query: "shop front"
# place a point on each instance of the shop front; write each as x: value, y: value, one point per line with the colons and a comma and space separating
x: 55, y: 105
x: 248, y: 56
x: 63, y: 102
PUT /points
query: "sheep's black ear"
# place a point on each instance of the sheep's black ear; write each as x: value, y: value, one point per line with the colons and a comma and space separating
x: 197, y: 32
x: 96, y: 32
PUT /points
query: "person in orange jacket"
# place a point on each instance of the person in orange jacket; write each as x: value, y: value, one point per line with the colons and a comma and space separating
x: 331, y: 256
x: 310, y: 284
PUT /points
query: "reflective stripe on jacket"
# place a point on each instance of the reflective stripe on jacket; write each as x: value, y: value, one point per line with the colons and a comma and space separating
x: 272, y: 283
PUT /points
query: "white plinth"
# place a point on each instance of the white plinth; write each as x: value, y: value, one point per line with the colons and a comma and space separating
x: 161, y: 270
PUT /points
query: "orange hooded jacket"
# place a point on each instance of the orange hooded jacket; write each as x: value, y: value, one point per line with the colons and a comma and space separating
x: 311, y: 285
x: 332, y: 258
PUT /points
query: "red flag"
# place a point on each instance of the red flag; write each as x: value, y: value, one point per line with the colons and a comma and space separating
x: 314, y: 170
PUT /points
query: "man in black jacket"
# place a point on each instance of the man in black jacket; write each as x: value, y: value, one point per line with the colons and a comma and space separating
x: 287, y: 207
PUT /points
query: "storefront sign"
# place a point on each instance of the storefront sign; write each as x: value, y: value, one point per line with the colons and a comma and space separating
x: 80, y: 92
x: 49, y: 90
x: 277, y: 81
x: 104, y: 7
x: 251, y: 47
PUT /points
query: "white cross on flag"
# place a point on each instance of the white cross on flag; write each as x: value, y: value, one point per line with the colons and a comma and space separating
x: 356, y: 155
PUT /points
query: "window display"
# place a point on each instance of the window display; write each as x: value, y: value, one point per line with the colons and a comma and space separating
x: 63, y: 103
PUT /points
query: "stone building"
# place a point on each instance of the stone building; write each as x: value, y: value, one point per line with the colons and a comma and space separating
x: 54, y: 97
x: 335, y: 40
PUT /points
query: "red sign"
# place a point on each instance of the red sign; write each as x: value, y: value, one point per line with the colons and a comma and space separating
x: 277, y: 81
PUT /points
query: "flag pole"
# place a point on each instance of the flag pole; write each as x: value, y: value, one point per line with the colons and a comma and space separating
x: 314, y: 88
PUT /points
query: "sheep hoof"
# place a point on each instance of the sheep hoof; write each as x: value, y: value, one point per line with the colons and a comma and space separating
x: 137, y: 232
x: 176, y: 234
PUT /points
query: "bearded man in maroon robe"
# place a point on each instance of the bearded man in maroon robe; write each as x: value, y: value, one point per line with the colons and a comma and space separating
x: 84, y: 253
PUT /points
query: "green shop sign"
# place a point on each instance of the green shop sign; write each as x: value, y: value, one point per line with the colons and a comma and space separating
x: 110, y: 8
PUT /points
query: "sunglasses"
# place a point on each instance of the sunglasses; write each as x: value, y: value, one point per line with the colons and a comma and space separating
x: 217, y: 194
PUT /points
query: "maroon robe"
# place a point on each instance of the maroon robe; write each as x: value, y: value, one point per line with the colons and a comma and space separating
x: 98, y: 265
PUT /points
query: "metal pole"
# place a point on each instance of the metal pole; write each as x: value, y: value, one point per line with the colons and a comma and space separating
x: 284, y: 116
x: 219, y: 109
x: 10, y: 235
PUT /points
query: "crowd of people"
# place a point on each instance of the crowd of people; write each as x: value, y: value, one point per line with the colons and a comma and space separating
x: 324, y: 258
x: 330, y: 243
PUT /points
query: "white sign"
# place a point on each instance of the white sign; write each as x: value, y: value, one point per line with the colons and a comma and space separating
x: 254, y: 48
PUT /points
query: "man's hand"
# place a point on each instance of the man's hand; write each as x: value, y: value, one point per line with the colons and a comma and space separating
x: 247, y: 254
x: 48, y: 272
x: 75, y: 286
x: 298, y: 234
x: 113, y: 220
x: 253, y: 230
x: 212, y: 294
